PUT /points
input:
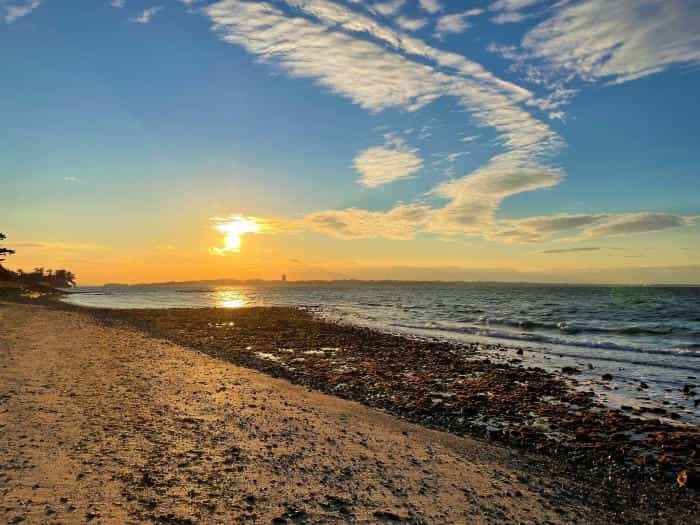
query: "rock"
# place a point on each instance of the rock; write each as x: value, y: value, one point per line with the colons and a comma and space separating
x: 664, y: 459
x: 582, y: 433
x: 570, y: 370
x: 520, y: 351
x: 606, y: 377
x: 384, y: 515
x: 688, y: 479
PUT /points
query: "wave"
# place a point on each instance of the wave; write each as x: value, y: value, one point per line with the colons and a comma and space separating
x: 576, y: 328
x: 691, y: 350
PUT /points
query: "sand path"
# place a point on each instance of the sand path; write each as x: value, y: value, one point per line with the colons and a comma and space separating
x: 105, y: 425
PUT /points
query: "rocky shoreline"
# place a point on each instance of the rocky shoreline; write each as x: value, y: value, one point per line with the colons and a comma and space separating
x: 439, y: 385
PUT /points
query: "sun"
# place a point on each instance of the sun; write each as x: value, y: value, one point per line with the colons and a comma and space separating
x: 233, y: 229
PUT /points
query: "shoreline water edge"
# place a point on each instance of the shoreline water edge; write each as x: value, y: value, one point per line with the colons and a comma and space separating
x: 646, y: 338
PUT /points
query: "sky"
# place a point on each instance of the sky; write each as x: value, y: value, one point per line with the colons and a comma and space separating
x: 511, y: 140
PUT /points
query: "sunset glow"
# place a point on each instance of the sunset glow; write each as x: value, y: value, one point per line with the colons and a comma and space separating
x: 233, y: 230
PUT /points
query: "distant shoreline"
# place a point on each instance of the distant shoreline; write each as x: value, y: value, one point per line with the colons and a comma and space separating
x: 370, y: 282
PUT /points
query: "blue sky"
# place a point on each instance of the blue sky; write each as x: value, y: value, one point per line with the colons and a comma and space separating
x: 519, y: 125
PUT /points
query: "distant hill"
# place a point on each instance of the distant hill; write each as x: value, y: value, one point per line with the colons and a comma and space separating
x: 359, y: 282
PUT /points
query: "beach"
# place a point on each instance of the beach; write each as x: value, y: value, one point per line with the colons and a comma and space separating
x: 145, y: 416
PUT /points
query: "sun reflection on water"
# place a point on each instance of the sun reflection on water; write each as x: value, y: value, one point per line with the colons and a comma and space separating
x: 230, y: 299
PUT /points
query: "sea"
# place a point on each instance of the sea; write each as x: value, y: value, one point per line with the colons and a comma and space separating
x: 646, y: 337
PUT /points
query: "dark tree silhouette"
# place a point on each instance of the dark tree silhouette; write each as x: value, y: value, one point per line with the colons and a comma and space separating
x: 55, y: 278
x: 63, y: 279
x: 3, y: 250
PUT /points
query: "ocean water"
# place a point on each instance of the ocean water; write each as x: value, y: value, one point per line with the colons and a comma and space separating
x: 647, y: 335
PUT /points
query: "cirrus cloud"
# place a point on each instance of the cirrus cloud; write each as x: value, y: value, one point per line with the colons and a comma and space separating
x: 617, y: 41
x: 14, y: 9
x: 431, y: 6
x: 411, y: 24
x: 400, y: 223
x: 147, y: 15
x: 642, y: 222
x: 455, y: 23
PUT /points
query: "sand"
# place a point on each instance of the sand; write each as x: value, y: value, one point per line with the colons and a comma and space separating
x: 103, y: 424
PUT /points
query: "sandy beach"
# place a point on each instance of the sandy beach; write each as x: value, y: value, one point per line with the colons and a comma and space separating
x: 106, y: 424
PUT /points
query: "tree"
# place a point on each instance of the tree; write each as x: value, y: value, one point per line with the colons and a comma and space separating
x: 55, y: 278
x: 63, y: 279
x: 3, y: 250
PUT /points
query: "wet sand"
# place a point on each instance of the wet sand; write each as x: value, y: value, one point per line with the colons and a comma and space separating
x: 105, y: 424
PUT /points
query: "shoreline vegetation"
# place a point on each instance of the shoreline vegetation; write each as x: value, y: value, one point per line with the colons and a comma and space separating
x: 628, y: 464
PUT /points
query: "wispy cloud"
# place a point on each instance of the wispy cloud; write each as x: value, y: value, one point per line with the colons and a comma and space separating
x: 539, y: 228
x: 512, y: 11
x: 14, y: 9
x: 29, y: 245
x: 405, y: 221
x: 474, y: 200
x: 571, y: 250
x: 431, y: 6
x: 586, y: 226
x: 70, y: 179
x: 411, y: 24
x: 400, y: 223
x: 59, y: 246
x: 390, y: 7
x: 618, y: 41
x: 117, y: 4
x: 625, y: 224
x: 455, y: 23
x: 383, y: 164
x: 147, y: 14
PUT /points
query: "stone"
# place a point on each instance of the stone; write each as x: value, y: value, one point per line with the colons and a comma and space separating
x: 688, y: 478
